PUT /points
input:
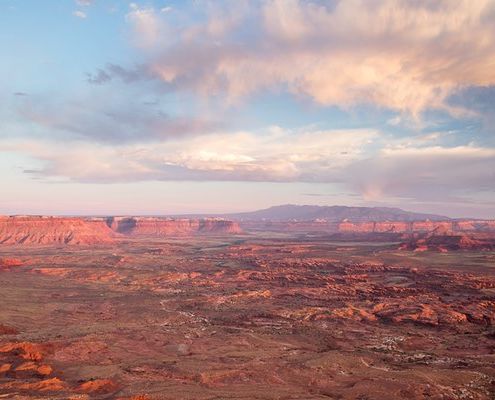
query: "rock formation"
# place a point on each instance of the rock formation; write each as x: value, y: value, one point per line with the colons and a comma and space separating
x: 54, y: 230
x: 157, y: 227
x: 9, y: 263
x: 449, y: 242
x: 27, y: 230
x: 438, y: 227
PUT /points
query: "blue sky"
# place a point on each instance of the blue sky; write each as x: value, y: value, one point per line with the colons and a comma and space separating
x: 159, y: 107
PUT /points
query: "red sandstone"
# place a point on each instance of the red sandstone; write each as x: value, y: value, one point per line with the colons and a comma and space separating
x: 91, y: 231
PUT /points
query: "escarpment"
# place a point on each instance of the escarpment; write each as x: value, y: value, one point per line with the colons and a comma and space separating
x: 438, y: 227
x: 39, y: 230
x: 54, y: 230
x: 157, y: 227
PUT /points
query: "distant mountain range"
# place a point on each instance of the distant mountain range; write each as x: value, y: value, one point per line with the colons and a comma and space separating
x: 290, y: 212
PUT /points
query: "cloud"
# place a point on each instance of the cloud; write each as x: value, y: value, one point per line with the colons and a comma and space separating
x: 272, y: 155
x: 403, y: 55
x: 162, y: 117
x: 84, y: 3
x: 107, y: 116
x: 480, y: 101
x: 113, y: 71
x: 424, y: 173
x: 145, y: 24
x: 363, y: 162
x: 79, y: 14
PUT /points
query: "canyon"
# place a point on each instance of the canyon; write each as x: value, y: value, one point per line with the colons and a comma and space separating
x: 162, y: 308
x: 245, y: 316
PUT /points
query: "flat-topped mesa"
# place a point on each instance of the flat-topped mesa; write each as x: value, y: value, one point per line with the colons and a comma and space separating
x: 158, y: 227
x: 437, y: 227
x: 39, y: 230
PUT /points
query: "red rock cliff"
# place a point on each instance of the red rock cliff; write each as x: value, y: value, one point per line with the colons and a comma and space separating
x: 54, y: 230
x: 444, y: 243
x: 438, y: 227
x: 141, y: 226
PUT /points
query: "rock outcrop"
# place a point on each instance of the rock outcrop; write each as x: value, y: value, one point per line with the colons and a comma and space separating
x: 54, y: 230
x: 445, y: 243
x: 158, y: 227
x: 378, y: 227
x: 438, y: 227
x: 9, y: 263
x: 27, y: 230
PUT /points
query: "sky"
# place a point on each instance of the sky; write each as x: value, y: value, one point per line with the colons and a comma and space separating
x: 167, y: 107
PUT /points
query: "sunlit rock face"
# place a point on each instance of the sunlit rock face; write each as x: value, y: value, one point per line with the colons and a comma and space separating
x: 90, y: 231
x: 142, y: 226
x: 54, y: 230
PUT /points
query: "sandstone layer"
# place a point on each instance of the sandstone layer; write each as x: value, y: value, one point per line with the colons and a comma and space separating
x: 439, y: 227
x: 373, y: 227
x: 29, y: 230
x: 157, y: 227
x: 444, y: 243
x: 54, y: 230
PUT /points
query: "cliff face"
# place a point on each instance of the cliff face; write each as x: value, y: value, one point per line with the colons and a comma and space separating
x: 445, y: 243
x: 91, y: 231
x: 53, y: 230
x: 157, y: 227
x: 347, y: 227
x: 440, y: 236
x: 438, y: 227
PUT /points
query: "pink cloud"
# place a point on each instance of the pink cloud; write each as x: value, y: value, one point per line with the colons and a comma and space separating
x: 403, y: 55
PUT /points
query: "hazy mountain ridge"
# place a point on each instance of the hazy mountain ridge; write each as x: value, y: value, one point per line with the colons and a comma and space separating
x: 290, y: 212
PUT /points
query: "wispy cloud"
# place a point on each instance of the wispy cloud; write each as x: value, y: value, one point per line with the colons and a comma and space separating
x: 113, y: 71
x: 274, y: 154
x: 364, y: 161
x: 108, y: 117
x: 145, y: 24
x: 80, y: 14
